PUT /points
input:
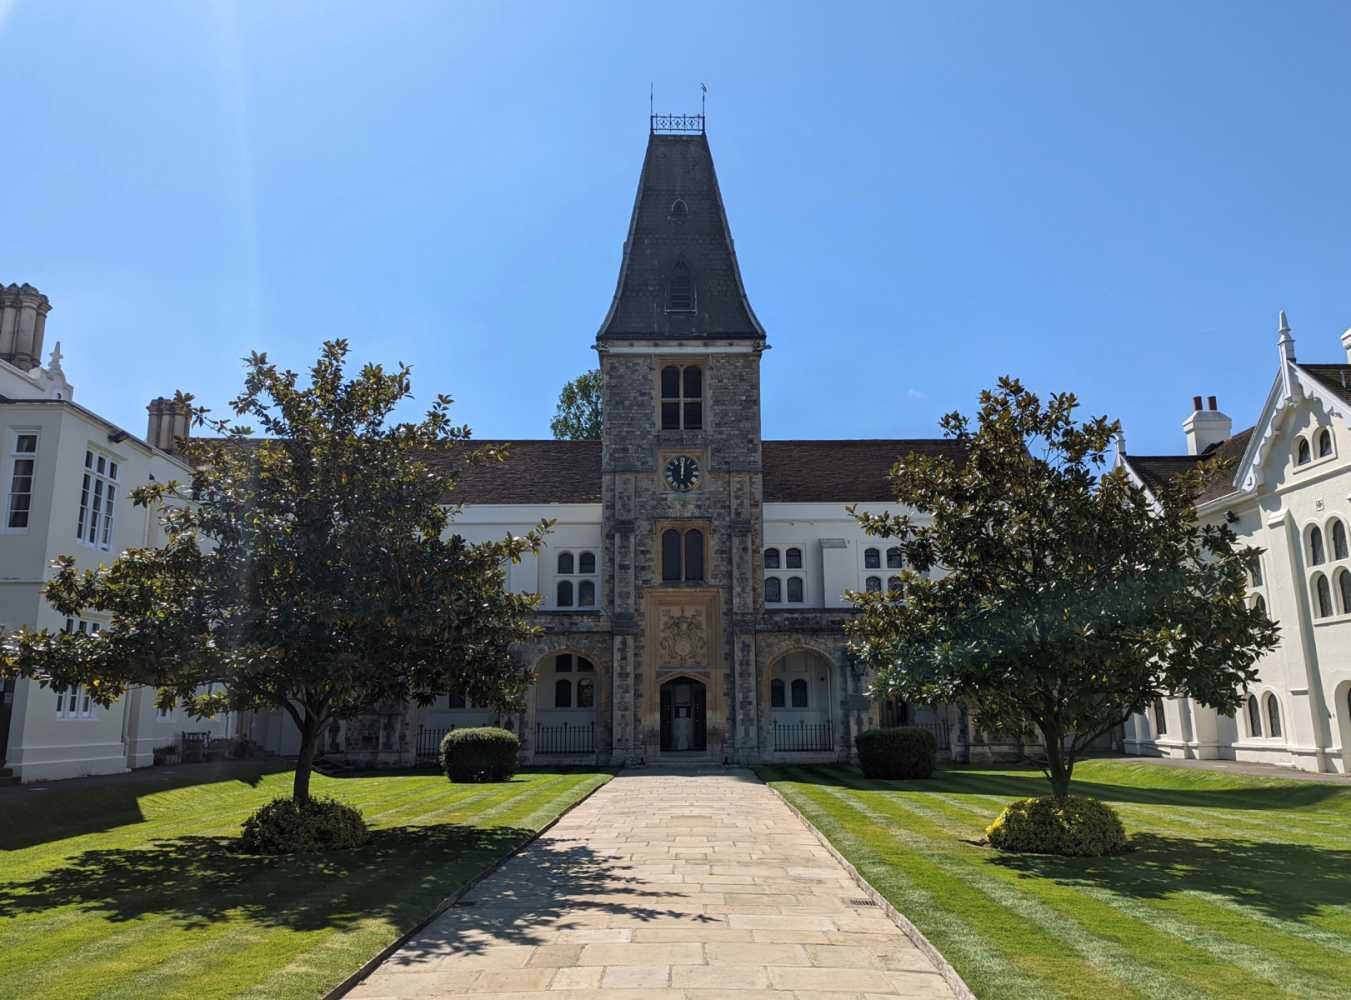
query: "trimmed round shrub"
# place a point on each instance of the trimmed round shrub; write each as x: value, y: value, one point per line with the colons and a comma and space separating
x: 284, y: 827
x: 1078, y: 826
x: 903, y: 752
x: 483, y: 754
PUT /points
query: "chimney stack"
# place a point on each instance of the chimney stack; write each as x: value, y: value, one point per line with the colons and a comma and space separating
x: 23, y: 322
x: 1206, y: 428
x: 168, y: 424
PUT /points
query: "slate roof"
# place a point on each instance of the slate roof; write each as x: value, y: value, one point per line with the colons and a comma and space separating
x: 1155, y: 470
x: 679, y: 168
x: 546, y: 471
x: 1336, y: 378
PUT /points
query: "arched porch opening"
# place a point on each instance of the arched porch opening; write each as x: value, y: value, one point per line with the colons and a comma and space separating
x: 804, y: 696
x: 567, y: 690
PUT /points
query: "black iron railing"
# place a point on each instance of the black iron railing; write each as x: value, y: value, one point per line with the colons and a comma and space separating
x: 804, y: 737
x: 429, y: 741
x: 680, y: 124
x: 576, y: 737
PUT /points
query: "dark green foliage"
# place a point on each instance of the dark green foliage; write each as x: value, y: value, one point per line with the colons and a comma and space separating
x: 330, y: 580
x: 1075, y: 825
x: 1048, y: 591
x: 285, y: 826
x: 483, y: 754
x: 579, y: 409
x: 903, y: 752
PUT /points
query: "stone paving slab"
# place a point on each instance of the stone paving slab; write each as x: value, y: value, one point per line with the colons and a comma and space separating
x: 665, y: 885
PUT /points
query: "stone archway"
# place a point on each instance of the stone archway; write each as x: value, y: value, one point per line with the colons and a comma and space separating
x: 684, y: 716
x: 567, y: 697
x: 804, y: 704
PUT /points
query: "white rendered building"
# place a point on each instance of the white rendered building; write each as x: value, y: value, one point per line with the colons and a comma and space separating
x: 1288, y: 491
x: 67, y: 476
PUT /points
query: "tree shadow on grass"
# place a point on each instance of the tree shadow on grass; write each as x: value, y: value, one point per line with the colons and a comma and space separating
x: 1286, y: 881
x: 43, y: 812
x: 401, y: 876
x: 1031, y: 783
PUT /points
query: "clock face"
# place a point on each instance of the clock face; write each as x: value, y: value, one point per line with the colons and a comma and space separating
x: 682, y: 473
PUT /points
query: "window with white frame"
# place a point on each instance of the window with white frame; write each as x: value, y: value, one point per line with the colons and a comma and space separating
x: 23, y: 459
x: 98, y: 500
x: 76, y: 702
x: 784, y: 579
x: 577, y: 583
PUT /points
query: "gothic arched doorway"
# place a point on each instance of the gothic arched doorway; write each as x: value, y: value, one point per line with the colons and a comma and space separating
x: 684, y: 715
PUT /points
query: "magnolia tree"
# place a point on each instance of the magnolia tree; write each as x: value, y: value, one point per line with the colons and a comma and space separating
x: 308, y: 570
x: 1050, y: 594
x: 577, y: 417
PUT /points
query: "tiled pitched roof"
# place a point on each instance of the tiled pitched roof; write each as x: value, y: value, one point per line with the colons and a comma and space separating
x: 1155, y: 470
x: 541, y: 471
x: 840, y: 471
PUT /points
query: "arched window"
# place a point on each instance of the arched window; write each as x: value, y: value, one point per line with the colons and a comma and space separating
x: 565, y: 563
x: 670, y: 555
x: 1324, y: 450
x: 873, y: 585
x: 776, y: 693
x: 694, y: 554
x: 586, y: 594
x: 799, y: 693
x: 562, y: 693
x: 771, y: 558
x: 893, y: 583
x: 564, y: 593
x: 586, y: 562
x: 585, y: 666
x: 795, y: 590
x: 1302, y: 454
x: 1160, y: 719
x: 1255, y: 571
x: 1343, y: 590
x: 1316, y: 555
x: 773, y: 590
x: 872, y: 559
x: 456, y: 700
x: 563, y: 663
x: 682, y: 398
x: 1259, y: 602
x: 679, y: 209
x: 1322, y: 604
x: 1254, y: 717
x: 1339, y: 549
x: 894, y: 558
x: 1273, y: 716
x: 586, y: 694
x: 680, y: 291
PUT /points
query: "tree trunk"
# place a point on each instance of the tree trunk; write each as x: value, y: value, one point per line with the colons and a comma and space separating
x: 309, y: 744
x: 1059, y: 764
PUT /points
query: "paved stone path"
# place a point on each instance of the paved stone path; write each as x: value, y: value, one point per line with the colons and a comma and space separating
x: 665, y: 886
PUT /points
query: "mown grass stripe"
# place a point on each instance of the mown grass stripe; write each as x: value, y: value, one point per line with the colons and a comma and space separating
x: 1097, y: 949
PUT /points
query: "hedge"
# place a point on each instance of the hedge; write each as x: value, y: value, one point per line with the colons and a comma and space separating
x: 903, y: 752
x: 483, y: 754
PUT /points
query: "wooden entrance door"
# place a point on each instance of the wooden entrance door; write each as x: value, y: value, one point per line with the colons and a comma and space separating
x: 684, y: 715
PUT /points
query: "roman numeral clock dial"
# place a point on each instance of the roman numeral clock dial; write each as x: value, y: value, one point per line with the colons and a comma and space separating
x: 682, y: 473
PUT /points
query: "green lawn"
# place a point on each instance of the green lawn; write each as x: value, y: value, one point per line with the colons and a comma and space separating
x: 1239, y: 887
x: 132, y: 888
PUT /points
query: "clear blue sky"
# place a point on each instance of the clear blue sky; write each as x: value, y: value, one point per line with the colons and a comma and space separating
x: 1111, y: 198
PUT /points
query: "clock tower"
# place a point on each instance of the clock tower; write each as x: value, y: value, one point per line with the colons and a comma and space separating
x: 681, y: 466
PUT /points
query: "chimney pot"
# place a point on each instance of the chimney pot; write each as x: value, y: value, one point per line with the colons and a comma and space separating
x: 1213, y: 404
x: 1196, y: 403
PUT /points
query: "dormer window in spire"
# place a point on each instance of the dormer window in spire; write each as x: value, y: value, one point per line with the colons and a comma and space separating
x: 679, y: 210
x: 680, y: 289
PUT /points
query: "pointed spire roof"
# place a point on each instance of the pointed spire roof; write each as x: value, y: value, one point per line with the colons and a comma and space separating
x: 678, y: 219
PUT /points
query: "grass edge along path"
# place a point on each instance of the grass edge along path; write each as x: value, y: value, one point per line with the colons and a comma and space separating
x: 154, y: 903
x: 1074, y: 929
